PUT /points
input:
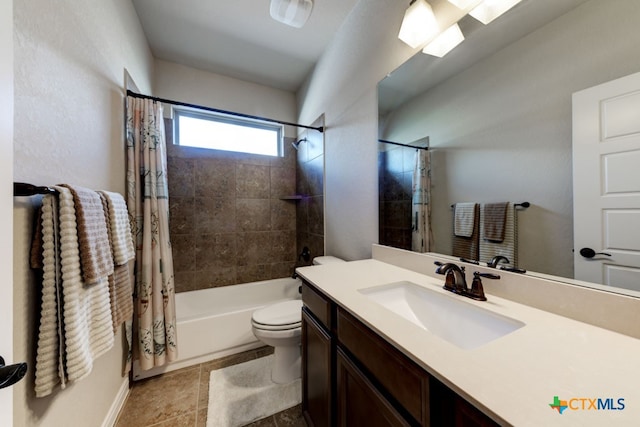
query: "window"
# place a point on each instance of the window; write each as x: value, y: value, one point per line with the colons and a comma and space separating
x: 224, y: 132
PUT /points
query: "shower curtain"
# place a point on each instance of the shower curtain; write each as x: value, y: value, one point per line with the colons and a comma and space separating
x: 421, y: 235
x: 154, y: 330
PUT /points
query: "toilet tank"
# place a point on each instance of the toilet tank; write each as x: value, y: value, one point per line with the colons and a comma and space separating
x: 321, y: 260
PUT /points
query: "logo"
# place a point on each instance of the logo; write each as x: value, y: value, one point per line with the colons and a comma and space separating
x: 587, y: 404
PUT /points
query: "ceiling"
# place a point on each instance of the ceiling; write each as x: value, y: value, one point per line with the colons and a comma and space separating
x: 238, y: 38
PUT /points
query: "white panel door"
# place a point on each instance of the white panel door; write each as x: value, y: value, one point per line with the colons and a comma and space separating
x: 606, y: 183
x: 6, y: 201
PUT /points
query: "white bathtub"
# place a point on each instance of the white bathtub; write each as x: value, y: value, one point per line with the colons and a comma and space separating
x: 216, y: 322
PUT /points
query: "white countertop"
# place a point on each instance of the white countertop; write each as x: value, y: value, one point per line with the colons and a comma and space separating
x: 514, y: 378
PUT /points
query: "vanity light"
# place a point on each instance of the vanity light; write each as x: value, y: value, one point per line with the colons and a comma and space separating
x: 489, y: 10
x: 291, y: 12
x: 447, y: 40
x: 419, y: 24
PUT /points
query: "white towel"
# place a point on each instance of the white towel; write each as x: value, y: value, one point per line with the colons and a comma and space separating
x: 121, y: 238
x: 87, y: 314
x: 508, y: 247
x: 464, y: 219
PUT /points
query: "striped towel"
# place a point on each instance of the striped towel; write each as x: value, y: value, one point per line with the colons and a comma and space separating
x: 50, y: 345
x: 508, y: 247
x: 464, y: 219
x: 95, y: 251
x: 495, y: 218
x: 119, y: 228
x: 87, y: 314
x: 467, y: 247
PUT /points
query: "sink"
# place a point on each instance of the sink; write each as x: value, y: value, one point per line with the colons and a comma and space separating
x: 447, y: 316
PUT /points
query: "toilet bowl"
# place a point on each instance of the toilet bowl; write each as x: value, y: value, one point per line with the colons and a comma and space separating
x: 280, y: 326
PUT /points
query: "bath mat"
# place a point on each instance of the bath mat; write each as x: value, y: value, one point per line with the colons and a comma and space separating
x: 243, y: 393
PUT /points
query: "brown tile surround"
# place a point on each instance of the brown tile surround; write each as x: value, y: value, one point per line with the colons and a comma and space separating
x: 180, y: 398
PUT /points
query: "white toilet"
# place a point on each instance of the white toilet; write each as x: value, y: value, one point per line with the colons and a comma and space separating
x: 280, y: 326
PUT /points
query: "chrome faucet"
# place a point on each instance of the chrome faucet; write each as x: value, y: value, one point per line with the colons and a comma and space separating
x: 456, y: 282
x: 496, y: 260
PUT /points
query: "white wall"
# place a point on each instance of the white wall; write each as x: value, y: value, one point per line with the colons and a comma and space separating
x: 70, y: 59
x: 181, y: 83
x: 501, y: 130
x: 343, y: 87
x: 6, y: 195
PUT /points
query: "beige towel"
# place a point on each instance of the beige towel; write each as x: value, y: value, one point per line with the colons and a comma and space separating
x: 87, y: 313
x: 464, y: 219
x: 95, y: 251
x: 468, y: 247
x: 495, y: 218
x: 119, y: 227
x: 509, y: 245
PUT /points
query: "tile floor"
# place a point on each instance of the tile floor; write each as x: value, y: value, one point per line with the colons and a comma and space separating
x: 180, y: 398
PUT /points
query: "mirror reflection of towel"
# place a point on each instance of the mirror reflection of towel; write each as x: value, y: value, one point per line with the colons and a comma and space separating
x: 464, y: 219
x: 494, y: 218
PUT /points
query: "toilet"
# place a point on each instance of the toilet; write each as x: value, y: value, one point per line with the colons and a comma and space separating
x: 280, y: 326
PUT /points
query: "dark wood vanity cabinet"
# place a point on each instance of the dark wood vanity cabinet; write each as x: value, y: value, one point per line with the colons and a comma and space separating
x: 353, y: 377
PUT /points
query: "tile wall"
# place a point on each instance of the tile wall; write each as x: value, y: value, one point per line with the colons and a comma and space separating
x: 230, y: 221
x: 395, y: 166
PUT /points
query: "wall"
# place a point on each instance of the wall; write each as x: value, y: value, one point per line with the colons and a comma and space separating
x: 70, y: 59
x: 501, y: 130
x: 229, y: 224
x: 343, y: 87
x: 6, y: 193
x: 310, y: 187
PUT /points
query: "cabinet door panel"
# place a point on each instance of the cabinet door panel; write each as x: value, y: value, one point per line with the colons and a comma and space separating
x: 316, y: 373
x: 359, y: 402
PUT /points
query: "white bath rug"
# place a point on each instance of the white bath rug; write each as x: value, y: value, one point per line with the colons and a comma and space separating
x: 243, y: 393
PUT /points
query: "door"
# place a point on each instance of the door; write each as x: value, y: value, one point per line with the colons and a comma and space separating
x: 606, y: 183
x: 6, y: 200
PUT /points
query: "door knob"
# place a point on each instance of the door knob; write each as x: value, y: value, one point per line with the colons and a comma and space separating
x: 9, y: 375
x: 590, y: 253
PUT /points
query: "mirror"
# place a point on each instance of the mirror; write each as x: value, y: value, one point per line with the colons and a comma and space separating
x: 498, y: 114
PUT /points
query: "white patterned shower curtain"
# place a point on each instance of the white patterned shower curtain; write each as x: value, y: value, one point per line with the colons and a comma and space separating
x: 148, y: 203
x: 421, y: 234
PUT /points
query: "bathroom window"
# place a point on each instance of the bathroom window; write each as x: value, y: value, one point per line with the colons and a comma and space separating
x: 224, y: 132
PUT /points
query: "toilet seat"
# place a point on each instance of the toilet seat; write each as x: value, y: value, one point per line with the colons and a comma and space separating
x: 281, y: 316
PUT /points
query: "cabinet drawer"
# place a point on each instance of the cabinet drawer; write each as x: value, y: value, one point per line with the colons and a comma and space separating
x: 397, y: 375
x: 318, y: 304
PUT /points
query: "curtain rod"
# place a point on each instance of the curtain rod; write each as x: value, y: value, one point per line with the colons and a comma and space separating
x: 215, y: 110
x: 384, y: 141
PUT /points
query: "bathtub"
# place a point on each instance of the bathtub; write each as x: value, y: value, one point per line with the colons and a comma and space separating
x: 216, y: 322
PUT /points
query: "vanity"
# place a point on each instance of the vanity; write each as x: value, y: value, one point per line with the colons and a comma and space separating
x: 371, y: 355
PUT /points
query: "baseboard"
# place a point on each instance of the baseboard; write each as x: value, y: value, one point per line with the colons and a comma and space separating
x: 116, y: 406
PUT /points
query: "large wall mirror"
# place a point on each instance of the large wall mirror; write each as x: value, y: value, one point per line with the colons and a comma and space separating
x: 497, y: 114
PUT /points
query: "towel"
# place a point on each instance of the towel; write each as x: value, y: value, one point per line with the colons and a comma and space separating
x: 119, y: 228
x: 36, y: 253
x: 49, y: 369
x: 88, y: 331
x: 120, y: 288
x: 95, y: 251
x: 464, y: 219
x: 467, y: 247
x: 509, y: 245
x: 495, y: 217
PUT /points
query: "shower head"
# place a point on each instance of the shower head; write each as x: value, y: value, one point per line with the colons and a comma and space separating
x: 298, y: 142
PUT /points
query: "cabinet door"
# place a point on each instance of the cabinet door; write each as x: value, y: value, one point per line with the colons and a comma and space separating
x: 466, y: 415
x: 359, y: 403
x: 316, y: 372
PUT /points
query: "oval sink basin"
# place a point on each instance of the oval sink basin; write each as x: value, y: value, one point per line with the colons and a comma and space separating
x: 448, y: 316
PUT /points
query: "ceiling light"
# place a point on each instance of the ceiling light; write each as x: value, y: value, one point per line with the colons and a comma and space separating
x: 419, y: 24
x: 489, y: 10
x: 291, y: 12
x: 447, y: 40
x: 462, y: 4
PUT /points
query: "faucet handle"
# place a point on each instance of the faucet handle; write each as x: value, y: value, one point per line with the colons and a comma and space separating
x: 477, y: 290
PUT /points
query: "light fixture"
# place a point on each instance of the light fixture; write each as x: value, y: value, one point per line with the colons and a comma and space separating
x: 489, y: 10
x: 291, y: 12
x: 462, y: 4
x: 419, y: 24
x: 447, y: 40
